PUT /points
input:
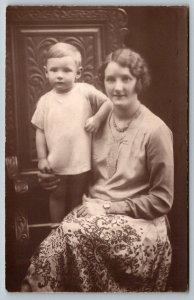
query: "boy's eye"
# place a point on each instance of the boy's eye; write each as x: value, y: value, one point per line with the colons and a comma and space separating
x: 53, y: 69
x: 109, y: 79
x: 66, y: 70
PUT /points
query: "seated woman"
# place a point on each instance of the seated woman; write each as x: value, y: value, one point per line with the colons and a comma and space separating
x: 117, y: 240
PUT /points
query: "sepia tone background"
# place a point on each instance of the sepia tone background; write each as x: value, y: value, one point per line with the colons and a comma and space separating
x: 160, y: 35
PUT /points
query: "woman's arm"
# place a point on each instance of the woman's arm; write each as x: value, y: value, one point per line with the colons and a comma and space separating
x: 160, y: 165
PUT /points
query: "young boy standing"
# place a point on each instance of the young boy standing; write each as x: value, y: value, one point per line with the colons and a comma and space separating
x: 64, y: 119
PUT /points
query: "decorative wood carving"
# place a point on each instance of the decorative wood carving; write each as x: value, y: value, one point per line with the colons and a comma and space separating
x: 20, y: 183
x: 10, y: 109
x: 30, y: 31
x: 21, y: 226
x: 114, y: 19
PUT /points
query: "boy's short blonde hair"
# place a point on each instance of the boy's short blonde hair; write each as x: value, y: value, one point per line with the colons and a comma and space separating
x: 63, y: 49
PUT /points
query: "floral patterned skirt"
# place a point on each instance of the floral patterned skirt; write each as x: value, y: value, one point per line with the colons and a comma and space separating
x: 111, y: 253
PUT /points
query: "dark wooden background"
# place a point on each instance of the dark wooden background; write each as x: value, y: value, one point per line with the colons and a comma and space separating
x: 160, y: 34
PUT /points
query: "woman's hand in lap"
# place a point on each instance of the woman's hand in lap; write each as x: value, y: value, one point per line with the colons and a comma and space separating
x: 90, y: 209
x: 120, y: 208
x: 48, y: 181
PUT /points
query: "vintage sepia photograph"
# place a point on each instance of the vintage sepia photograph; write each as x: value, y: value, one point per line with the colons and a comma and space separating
x: 96, y: 191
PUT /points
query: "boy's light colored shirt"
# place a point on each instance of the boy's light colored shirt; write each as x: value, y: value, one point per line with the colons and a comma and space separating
x: 62, y: 118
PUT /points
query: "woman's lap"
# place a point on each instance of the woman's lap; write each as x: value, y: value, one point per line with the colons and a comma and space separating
x: 102, y: 253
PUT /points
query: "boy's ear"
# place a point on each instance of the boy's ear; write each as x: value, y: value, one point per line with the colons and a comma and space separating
x: 46, y: 71
x: 79, y: 72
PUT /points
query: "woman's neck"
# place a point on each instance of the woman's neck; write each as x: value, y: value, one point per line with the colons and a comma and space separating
x: 126, y: 114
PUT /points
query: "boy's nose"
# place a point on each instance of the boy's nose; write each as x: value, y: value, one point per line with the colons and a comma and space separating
x: 59, y: 75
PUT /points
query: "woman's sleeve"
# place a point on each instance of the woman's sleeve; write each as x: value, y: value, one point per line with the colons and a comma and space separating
x: 160, y: 164
x: 38, y: 116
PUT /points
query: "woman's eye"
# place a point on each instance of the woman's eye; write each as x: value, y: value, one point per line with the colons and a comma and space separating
x: 126, y: 79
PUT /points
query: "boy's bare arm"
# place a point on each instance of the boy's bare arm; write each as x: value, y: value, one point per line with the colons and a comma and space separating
x: 93, y: 123
x: 41, y: 148
x: 103, y: 111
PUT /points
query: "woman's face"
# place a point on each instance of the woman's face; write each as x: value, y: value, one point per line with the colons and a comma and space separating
x: 120, y: 85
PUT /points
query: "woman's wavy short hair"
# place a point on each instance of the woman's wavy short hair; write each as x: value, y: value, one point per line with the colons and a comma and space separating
x: 128, y: 58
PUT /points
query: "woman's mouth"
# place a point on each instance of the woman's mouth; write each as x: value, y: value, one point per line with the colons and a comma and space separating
x: 118, y: 95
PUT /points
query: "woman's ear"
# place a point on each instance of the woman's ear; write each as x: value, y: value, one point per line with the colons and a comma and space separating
x: 45, y: 71
x: 79, y: 72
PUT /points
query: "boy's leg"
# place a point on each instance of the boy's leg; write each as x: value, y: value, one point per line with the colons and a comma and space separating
x: 77, y: 186
x: 58, y: 201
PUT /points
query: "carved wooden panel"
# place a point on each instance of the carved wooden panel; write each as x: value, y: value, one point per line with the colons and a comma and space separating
x: 95, y: 31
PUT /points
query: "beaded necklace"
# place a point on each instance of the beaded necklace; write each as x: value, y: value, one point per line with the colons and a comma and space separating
x: 115, y: 148
x: 123, y: 129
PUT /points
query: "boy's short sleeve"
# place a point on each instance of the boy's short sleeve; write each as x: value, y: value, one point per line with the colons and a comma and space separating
x: 96, y: 98
x: 38, y: 116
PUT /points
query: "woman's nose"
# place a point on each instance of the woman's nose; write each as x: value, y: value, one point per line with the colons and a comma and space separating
x: 118, y: 85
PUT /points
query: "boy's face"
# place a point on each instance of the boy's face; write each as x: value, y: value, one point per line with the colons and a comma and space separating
x: 62, y: 73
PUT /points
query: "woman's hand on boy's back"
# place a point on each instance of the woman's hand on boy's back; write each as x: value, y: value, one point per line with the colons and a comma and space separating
x: 92, y: 124
x: 48, y: 181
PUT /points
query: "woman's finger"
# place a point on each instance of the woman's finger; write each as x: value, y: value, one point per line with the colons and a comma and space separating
x: 48, y: 181
x: 81, y: 211
x: 50, y: 188
x: 45, y: 176
x: 84, y: 214
x: 53, y: 180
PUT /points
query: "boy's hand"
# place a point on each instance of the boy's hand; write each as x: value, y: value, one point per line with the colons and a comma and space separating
x: 92, y: 124
x: 43, y: 166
